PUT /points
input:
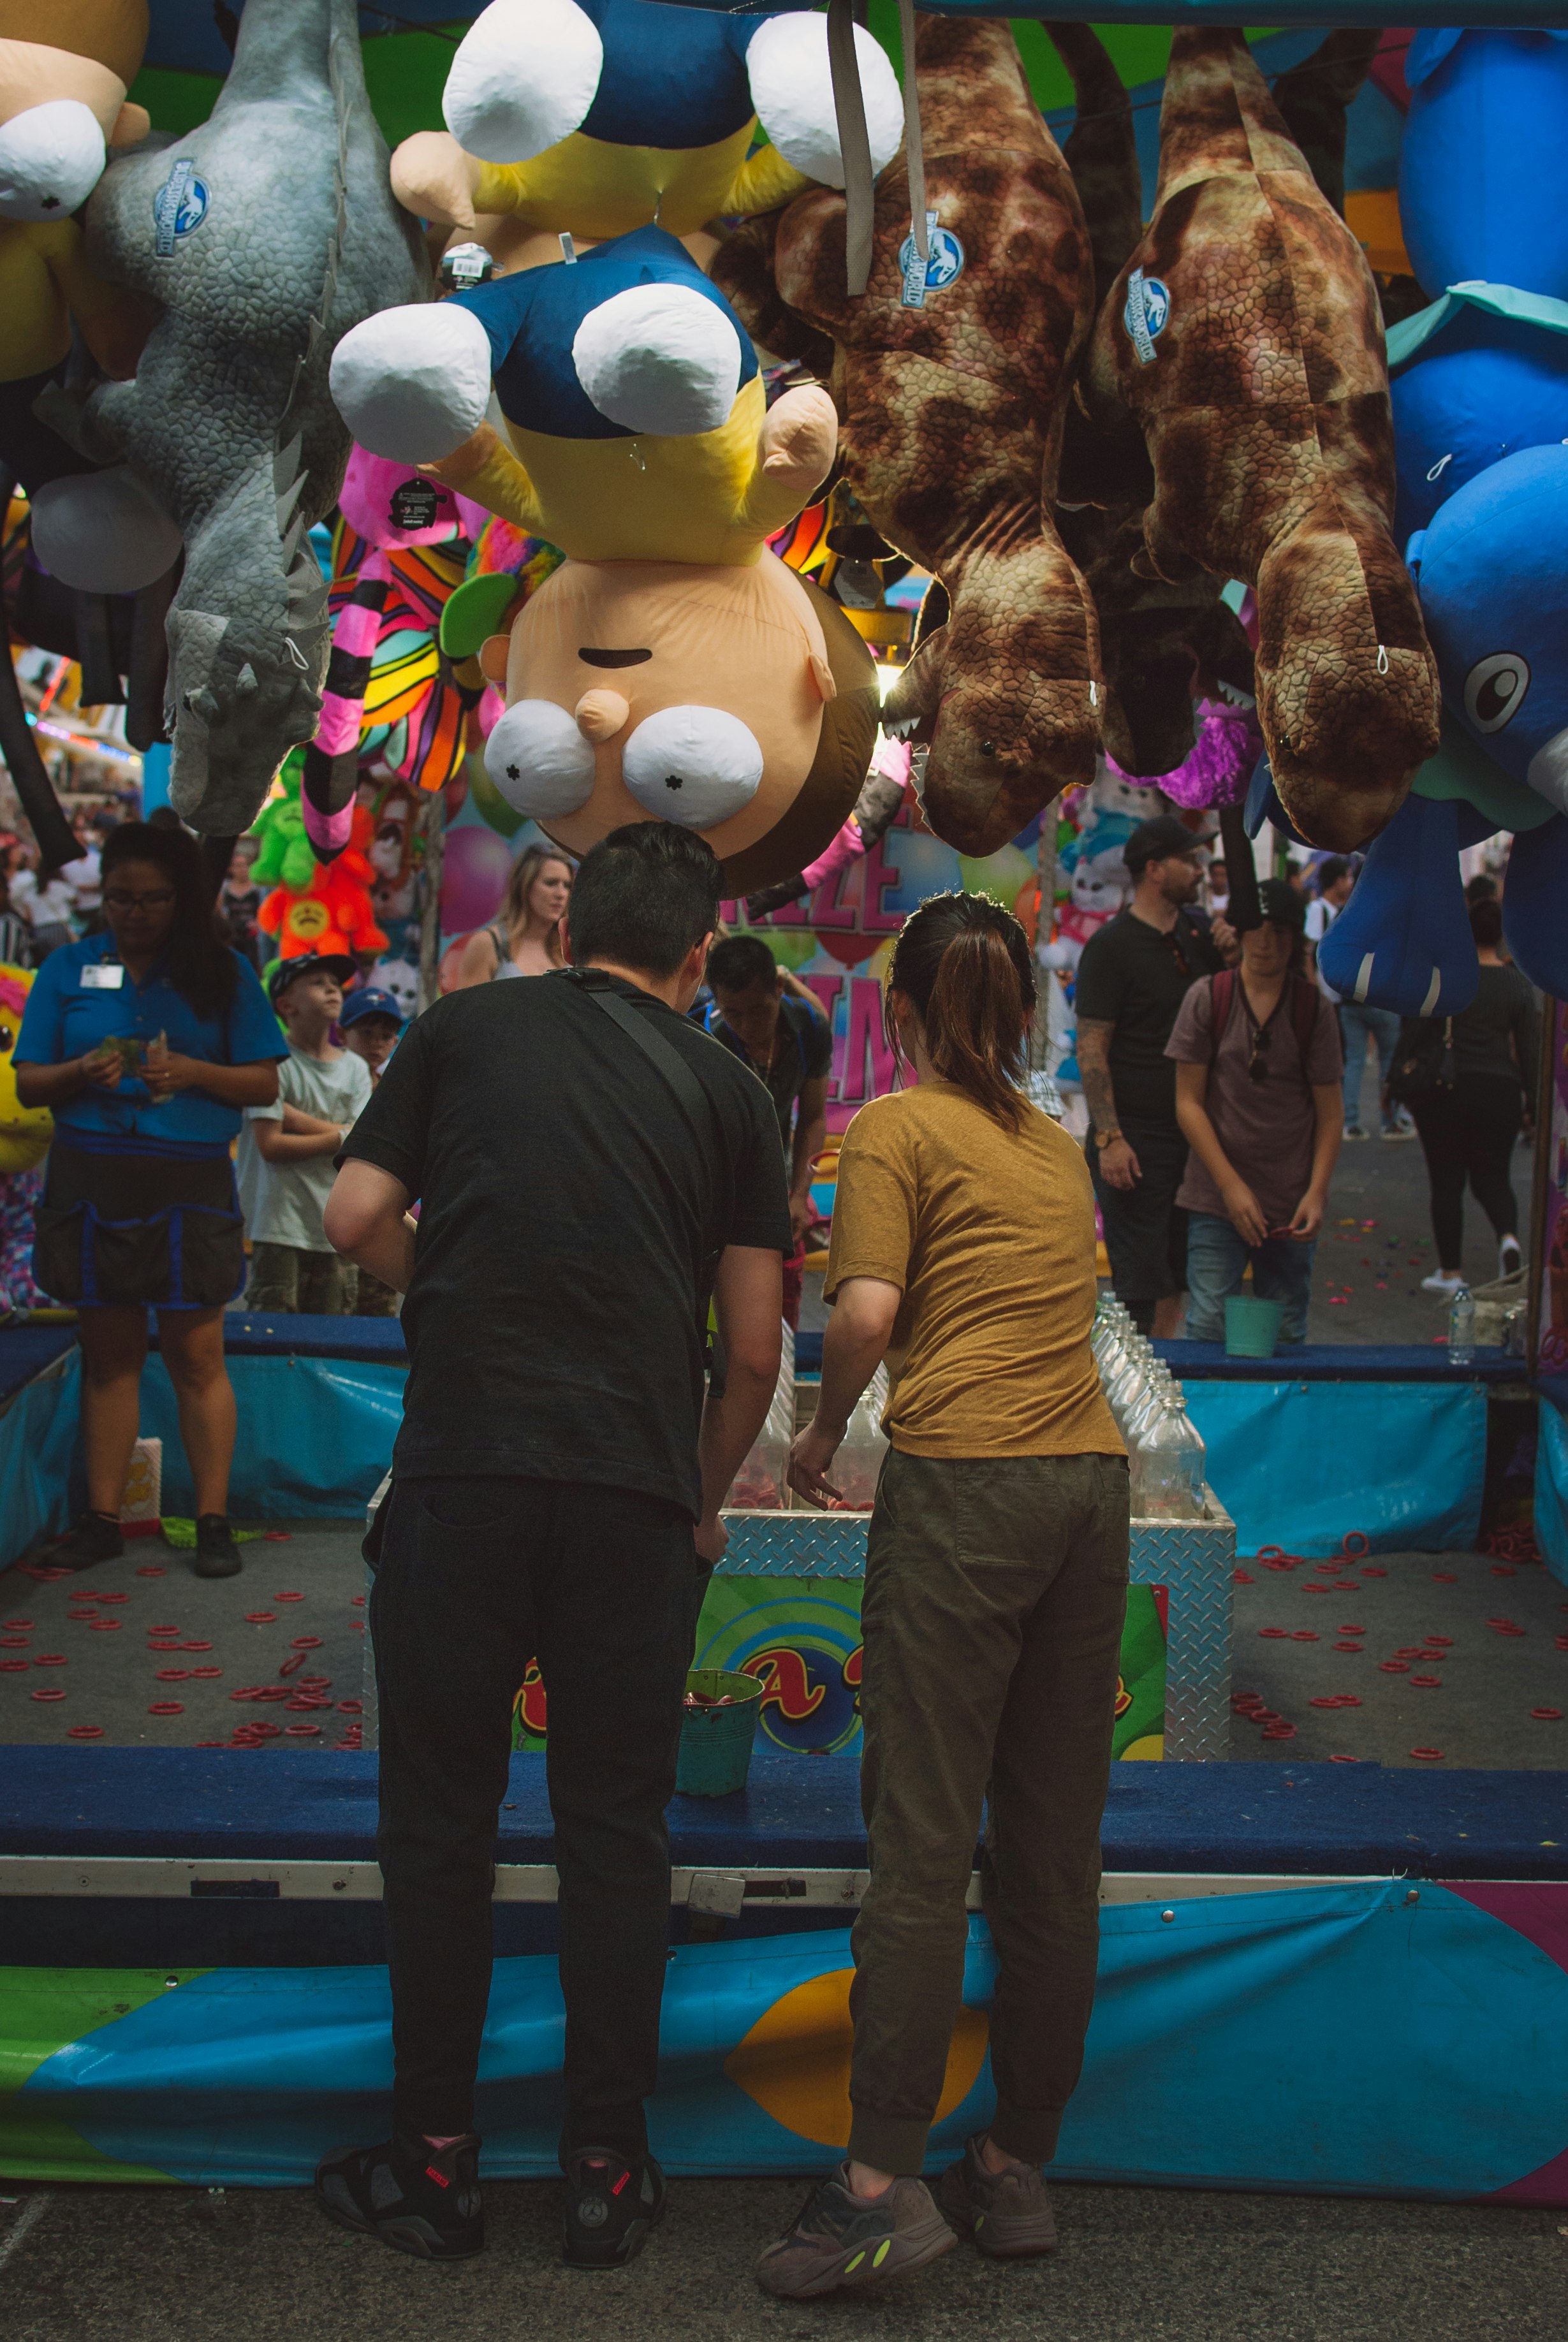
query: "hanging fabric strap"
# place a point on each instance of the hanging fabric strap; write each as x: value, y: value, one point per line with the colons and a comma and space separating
x: 913, y: 150
x: 853, y: 142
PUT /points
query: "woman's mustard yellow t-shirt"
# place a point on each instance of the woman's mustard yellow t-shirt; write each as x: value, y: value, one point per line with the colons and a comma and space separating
x: 989, y: 1235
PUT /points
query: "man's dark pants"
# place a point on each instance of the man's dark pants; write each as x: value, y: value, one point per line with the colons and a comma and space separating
x: 1146, y: 1229
x: 476, y: 1577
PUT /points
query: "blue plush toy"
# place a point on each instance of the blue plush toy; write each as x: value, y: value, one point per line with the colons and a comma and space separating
x: 1402, y: 940
x: 1490, y: 569
x: 1484, y: 162
x: 1477, y: 377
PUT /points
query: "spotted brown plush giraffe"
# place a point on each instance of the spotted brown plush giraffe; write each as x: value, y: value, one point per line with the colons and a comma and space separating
x: 1245, y: 338
x: 950, y: 417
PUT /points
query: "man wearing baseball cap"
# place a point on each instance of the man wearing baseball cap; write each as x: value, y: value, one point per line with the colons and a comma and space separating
x: 286, y: 1154
x: 1132, y: 980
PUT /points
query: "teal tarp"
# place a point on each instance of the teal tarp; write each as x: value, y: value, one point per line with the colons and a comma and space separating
x: 37, y: 1439
x: 1552, y: 1490
x: 1356, y: 2037
x: 1299, y: 1464
x: 315, y: 1436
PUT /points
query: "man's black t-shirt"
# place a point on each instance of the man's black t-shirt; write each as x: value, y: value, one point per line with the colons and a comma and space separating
x: 569, y: 1219
x: 803, y: 1053
x: 1136, y: 978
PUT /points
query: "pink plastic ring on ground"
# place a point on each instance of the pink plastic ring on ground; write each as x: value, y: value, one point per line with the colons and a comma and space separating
x: 1542, y: 1715
x: 84, y: 1732
x: 47, y: 1695
x: 1428, y: 1756
x: 166, y: 1707
x: 1356, y: 1542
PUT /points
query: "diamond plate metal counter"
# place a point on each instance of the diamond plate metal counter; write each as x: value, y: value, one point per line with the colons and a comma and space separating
x: 1192, y: 1560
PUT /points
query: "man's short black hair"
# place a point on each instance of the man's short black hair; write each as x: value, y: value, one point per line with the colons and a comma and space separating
x: 1331, y: 871
x: 1155, y: 841
x: 642, y: 896
x: 738, y: 962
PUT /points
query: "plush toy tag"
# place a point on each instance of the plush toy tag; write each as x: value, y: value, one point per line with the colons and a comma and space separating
x: 179, y: 206
x: 1147, y: 314
x: 923, y: 276
x: 414, y: 505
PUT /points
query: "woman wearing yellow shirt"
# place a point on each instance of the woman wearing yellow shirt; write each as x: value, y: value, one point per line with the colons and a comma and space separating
x: 996, y: 1574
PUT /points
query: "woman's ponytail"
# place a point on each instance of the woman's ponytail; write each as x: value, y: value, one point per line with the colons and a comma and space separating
x: 965, y: 964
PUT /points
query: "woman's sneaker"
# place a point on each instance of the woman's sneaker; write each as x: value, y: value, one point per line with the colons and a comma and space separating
x: 1510, y: 1259
x: 611, y: 2207
x: 843, y: 2239
x: 418, y: 2198
x: 1007, y: 2214
x: 217, y: 1555
x: 94, y: 1537
x: 1442, y: 1281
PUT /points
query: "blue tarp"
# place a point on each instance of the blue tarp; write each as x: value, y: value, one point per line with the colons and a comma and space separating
x: 1298, y: 1464
x: 1390, y: 2041
x: 315, y: 1436
x: 1551, y: 1488
x: 37, y: 1439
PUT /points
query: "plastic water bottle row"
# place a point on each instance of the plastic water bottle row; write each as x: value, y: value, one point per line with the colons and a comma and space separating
x: 1165, y: 1453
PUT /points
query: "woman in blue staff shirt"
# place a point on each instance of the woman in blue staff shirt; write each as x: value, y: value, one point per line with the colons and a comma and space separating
x: 147, y: 1042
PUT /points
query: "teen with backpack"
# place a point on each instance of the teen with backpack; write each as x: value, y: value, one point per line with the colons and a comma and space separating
x: 1258, y: 1069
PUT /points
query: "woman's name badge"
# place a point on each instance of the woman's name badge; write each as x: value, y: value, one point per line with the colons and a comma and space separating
x: 103, y: 976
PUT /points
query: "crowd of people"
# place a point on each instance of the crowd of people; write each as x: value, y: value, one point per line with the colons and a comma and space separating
x: 1222, y: 1074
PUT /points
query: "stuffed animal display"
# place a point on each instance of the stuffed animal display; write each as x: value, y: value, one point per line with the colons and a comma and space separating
x: 738, y: 702
x: 400, y: 550
x: 313, y: 906
x: 259, y: 239
x: 591, y: 117
x: 62, y: 108
x: 630, y: 394
x: 951, y: 379
x: 1246, y: 341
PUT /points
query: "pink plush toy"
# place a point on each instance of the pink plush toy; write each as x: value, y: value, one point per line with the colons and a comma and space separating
x: 391, y: 510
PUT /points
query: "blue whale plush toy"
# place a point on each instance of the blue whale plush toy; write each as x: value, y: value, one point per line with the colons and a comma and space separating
x: 1490, y: 571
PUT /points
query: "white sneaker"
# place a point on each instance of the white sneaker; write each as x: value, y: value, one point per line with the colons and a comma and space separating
x: 1441, y: 1282
x: 1353, y: 1130
x: 1397, y: 1130
x: 1510, y: 1259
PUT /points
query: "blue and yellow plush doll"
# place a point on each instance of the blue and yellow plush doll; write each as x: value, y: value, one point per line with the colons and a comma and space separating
x: 638, y: 422
x: 589, y: 117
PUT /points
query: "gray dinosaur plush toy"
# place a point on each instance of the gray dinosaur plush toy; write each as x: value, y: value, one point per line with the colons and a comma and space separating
x: 262, y: 237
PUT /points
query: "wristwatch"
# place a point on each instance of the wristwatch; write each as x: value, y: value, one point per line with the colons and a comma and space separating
x: 1103, y: 1137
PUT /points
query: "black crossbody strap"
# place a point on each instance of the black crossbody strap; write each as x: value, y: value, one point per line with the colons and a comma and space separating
x: 668, y: 1060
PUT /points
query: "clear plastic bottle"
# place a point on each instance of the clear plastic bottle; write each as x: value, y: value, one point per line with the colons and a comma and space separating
x: 1167, y: 1465
x: 760, y: 1484
x: 856, y: 1469
x: 1462, y: 1328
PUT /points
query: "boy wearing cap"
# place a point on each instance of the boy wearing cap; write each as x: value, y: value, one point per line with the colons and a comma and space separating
x: 286, y: 1175
x: 372, y: 1025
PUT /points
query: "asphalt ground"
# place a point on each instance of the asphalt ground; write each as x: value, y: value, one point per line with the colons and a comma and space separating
x: 175, y: 2265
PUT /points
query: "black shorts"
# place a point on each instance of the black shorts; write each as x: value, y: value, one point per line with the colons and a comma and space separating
x: 1146, y: 1229
x: 149, y: 1231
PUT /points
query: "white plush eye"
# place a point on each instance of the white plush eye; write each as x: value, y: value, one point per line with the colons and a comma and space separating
x: 52, y: 156
x: 659, y: 358
x: 539, y: 760
x: 524, y: 76
x: 103, y: 532
x: 412, y: 384
x: 792, y: 89
x: 1494, y: 689
x: 695, y: 766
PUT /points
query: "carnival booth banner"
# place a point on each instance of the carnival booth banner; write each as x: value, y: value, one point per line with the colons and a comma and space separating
x: 1409, y: 2041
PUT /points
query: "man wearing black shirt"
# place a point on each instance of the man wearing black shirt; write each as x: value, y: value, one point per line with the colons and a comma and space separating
x: 787, y: 1041
x: 589, y: 1166
x: 1132, y: 980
